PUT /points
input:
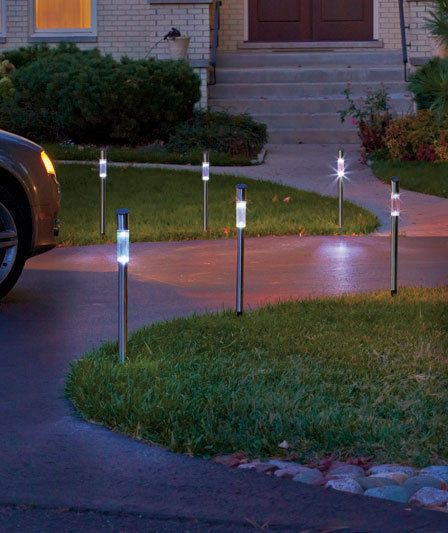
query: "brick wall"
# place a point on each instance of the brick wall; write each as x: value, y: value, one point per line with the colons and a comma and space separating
x: 132, y: 28
x: 233, y: 22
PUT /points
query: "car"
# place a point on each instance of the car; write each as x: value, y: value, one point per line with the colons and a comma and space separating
x: 30, y: 198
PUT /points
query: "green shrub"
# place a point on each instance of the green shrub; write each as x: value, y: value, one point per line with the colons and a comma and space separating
x: 220, y: 132
x: 437, y: 22
x: 86, y: 97
x: 429, y: 86
x: 417, y: 137
x: 27, y: 54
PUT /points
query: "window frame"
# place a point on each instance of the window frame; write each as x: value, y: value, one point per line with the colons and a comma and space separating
x: 63, y: 34
x: 3, y: 25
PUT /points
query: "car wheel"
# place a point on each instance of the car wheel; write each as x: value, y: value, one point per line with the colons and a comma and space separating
x: 12, y: 242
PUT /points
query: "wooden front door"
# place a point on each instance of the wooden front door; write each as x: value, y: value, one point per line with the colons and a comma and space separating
x: 310, y: 20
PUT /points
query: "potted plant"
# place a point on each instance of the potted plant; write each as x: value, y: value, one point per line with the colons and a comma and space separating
x: 177, y: 44
x: 437, y: 24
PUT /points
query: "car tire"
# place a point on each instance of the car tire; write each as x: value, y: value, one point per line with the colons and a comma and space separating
x: 14, y: 242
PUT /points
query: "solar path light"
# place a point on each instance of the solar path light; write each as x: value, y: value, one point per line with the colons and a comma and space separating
x: 395, y: 206
x: 123, y: 261
x: 241, y: 210
x: 103, y: 178
x: 206, y: 179
x: 341, y: 177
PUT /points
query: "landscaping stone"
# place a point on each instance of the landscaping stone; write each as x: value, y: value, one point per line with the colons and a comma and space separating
x: 313, y: 477
x: 398, y: 477
x: 345, y: 471
x: 390, y: 468
x: 292, y: 471
x: 284, y: 464
x: 430, y: 497
x: 371, y: 482
x: 414, y: 484
x: 345, y: 485
x: 440, y: 472
x: 249, y: 466
x: 393, y: 493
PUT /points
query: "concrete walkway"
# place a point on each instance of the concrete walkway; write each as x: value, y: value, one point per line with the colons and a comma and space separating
x: 60, y: 473
x: 311, y: 167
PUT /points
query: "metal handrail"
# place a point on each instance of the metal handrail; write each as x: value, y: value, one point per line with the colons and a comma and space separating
x: 215, y: 39
x: 404, y: 44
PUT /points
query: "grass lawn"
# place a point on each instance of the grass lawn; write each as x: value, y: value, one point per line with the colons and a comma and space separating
x: 167, y: 205
x: 429, y: 178
x: 126, y: 154
x: 359, y: 375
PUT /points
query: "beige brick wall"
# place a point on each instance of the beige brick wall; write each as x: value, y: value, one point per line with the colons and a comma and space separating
x: 233, y: 23
x: 132, y: 28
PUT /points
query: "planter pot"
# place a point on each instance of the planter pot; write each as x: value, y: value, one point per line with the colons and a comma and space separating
x: 179, y: 47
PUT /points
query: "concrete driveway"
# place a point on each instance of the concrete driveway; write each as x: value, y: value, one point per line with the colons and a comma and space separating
x: 59, y: 473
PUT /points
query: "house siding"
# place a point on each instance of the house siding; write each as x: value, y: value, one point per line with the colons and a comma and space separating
x: 422, y: 45
x: 132, y: 28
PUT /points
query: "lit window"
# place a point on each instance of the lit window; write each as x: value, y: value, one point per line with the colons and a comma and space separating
x: 60, y: 15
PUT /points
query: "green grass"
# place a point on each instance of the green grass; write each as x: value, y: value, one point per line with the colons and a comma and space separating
x: 166, y: 205
x: 126, y: 154
x: 429, y: 178
x: 359, y: 375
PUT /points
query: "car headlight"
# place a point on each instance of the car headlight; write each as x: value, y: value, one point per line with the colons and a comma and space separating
x: 48, y: 164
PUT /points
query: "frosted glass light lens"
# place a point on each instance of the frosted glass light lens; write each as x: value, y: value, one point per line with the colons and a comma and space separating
x: 341, y: 167
x: 123, y: 246
x: 241, y: 208
x: 395, y: 205
x: 103, y: 168
x: 205, y: 171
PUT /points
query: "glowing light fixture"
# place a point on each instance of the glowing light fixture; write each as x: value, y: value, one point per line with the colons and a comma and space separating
x: 103, y: 176
x: 241, y: 210
x: 205, y: 179
x: 123, y: 261
x: 341, y: 176
x: 395, y: 207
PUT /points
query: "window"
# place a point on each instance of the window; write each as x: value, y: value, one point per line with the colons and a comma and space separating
x: 64, y: 17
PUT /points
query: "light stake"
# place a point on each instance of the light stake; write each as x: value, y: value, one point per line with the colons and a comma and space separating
x: 241, y: 209
x: 123, y: 261
x: 103, y: 177
x: 395, y: 206
x: 341, y: 176
x: 206, y: 179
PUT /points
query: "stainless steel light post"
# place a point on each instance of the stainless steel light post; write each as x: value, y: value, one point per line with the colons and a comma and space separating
x: 241, y: 209
x: 341, y: 176
x: 123, y: 260
x: 206, y: 179
x: 103, y: 178
x: 395, y: 206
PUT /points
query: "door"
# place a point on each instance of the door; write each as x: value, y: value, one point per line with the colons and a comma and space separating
x: 310, y: 20
x: 342, y: 20
x: 279, y: 20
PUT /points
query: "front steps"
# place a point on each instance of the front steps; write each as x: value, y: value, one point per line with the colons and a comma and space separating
x: 298, y: 94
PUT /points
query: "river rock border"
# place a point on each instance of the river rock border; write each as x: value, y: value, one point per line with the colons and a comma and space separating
x: 424, y: 487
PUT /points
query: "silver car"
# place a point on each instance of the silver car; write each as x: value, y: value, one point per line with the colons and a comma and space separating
x: 29, y: 206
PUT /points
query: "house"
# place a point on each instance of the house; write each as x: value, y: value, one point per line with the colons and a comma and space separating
x: 284, y: 61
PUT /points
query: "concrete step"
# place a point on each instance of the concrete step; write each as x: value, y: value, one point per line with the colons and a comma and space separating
x: 309, y: 75
x: 294, y: 90
x: 309, y: 58
x: 402, y: 103
x: 313, y: 136
x: 303, y: 120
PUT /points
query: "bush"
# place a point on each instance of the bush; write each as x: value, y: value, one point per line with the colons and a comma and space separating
x: 85, y: 97
x: 372, y: 116
x: 429, y: 85
x: 220, y: 132
x: 27, y: 54
x: 417, y: 138
x: 437, y: 22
